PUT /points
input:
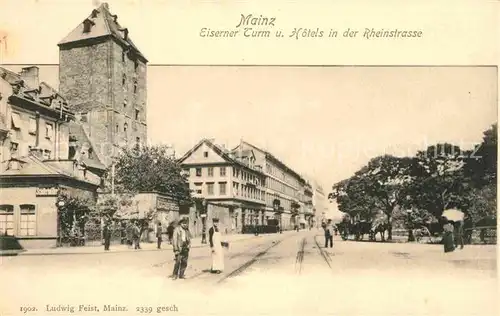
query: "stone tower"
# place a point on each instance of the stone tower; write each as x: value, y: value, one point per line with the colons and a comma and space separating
x: 102, y: 75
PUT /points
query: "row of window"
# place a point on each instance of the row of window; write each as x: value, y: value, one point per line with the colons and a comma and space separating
x: 210, y: 188
x: 248, y: 192
x: 18, y: 127
x: 210, y: 171
x: 26, y: 220
x: 280, y: 174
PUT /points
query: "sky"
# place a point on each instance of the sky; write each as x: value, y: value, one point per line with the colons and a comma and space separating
x: 325, y: 122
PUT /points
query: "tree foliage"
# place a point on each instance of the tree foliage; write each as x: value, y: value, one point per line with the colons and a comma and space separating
x: 151, y: 169
x: 416, y: 190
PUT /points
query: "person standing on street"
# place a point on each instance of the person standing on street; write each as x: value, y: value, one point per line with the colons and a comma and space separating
x: 214, y: 237
x: 329, y: 234
x: 181, y: 243
x: 448, y: 240
x: 107, y: 234
x: 159, y: 233
x: 136, y: 235
x: 459, y: 234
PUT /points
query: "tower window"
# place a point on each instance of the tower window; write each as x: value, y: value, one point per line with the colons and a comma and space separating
x: 136, y: 65
x: 136, y: 115
x: 123, y: 56
x: 124, y: 79
x: 135, y: 87
x: 124, y: 104
x: 117, y: 128
x: 125, y: 127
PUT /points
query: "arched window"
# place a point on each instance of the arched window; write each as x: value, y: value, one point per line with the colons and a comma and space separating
x: 125, y: 127
x: 117, y: 128
x: 124, y: 79
x: 27, y: 222
x: 7, y: 219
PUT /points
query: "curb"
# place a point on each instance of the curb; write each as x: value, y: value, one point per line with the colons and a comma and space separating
x: 27, y: 253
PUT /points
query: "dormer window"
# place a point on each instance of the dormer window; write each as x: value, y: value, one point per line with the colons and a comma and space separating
x: 94, y: 13
x: 87, y: 25
x: 125, y: 34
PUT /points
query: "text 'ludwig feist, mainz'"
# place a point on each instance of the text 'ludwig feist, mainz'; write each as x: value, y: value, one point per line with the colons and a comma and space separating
x: 248, y: 25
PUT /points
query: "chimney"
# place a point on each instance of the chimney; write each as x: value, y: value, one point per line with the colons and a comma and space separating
x: 30, y: 77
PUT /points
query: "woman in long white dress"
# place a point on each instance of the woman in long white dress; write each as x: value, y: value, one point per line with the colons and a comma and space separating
x: 215, y: 239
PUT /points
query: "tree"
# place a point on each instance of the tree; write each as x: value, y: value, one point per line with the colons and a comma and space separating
x: 379, y: 186
x: 440, y: 182
x: 151, y: 169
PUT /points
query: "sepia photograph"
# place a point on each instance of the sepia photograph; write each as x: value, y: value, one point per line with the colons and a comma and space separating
x: 131, y: 187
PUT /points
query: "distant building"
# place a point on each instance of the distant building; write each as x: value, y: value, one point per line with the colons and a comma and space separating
x: 285, y: 188
x: 102, y: 74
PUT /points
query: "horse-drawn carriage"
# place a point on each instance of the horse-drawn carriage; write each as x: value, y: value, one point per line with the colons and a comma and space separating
x: 359, y: 228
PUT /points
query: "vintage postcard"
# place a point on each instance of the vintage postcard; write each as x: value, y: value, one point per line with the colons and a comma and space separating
x: 248, y: 157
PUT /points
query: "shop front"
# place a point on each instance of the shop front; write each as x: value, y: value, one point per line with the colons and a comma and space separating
x: 31, y: 199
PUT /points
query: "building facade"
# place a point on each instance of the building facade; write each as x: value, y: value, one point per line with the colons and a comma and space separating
x: 35, y: 165
x: 233, y: 185
x: 320, y: 203
x: 285, y: 188
x: 103, y: 76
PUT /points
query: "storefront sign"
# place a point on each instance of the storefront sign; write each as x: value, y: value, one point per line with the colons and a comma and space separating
x: 47, y: 191
x: 165, y: 204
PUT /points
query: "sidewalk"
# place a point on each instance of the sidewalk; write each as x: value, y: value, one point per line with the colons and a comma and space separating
x: 117, y: 248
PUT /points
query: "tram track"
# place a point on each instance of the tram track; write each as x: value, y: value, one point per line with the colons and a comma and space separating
x: 325, y: 255
x: 243, y: 267
x: 299, y: 258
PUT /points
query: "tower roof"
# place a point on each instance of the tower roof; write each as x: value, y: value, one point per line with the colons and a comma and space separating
x: 99, y: 24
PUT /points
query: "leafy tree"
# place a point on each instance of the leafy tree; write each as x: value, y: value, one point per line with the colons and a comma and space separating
x: 379, y: 186
x: 440, y: 182
x: 151, y: 169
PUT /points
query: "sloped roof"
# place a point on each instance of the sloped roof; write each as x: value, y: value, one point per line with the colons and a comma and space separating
x: 76, y: 130
x: 271, y: 156
x: 42, y: 92
x: 33, y: 166
x: 219, y: 150
x: 104, y: 23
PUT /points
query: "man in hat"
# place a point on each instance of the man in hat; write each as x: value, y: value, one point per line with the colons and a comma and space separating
x: 181, y: 243
x: 215, y: 239
x: 107, y: 234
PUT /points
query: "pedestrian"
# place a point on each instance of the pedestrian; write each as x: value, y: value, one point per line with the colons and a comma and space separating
x: 136, y: 235
x: 159, y: 233
x: 215, y: 239
x: 181, y: 243
x: 170, y: 232
x: 448, y: 240
x: 458, y: 231
x: 107, y: 235
x: 328, y: 234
